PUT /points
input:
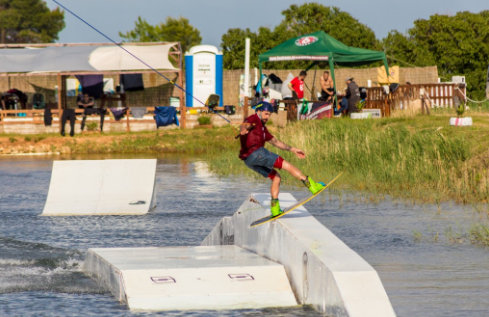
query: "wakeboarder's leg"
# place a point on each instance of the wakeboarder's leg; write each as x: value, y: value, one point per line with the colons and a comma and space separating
x: 306, y: 180
x: 274, y: 191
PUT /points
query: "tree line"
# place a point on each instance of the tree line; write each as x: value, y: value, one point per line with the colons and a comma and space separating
x: 457, y: 44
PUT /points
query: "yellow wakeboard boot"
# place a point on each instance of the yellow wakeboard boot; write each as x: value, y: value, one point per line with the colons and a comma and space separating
x: 275, y: 208
x: 312, y: 185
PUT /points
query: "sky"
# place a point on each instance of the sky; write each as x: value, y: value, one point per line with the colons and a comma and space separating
x: 213, y: 18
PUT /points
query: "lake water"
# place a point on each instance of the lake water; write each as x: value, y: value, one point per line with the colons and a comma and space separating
x: 422, y: 256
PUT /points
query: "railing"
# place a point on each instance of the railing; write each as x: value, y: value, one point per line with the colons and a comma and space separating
x: 22, y: 116
x: 432, y: 95
x: 12, y: 117
x: 36, y: 116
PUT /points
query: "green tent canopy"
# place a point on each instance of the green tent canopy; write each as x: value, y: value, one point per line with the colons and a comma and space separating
x: 319, y: 46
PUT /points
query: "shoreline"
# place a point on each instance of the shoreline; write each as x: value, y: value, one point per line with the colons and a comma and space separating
x: 164, y: 141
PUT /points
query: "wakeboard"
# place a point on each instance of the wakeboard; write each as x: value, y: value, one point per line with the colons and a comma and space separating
x: 293, y: 207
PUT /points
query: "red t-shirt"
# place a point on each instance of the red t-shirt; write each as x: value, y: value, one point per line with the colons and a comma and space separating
x: 298, y: 86
x: 255, y: 138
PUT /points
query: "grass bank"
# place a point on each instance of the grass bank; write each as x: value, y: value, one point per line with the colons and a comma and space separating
x: 420, y: 157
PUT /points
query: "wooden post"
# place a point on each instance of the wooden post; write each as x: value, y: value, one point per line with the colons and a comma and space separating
x: 59, y: 84
x: 183, y: 107
x: 128, y: 126
x: 60, y: 100
x: 387, y: 107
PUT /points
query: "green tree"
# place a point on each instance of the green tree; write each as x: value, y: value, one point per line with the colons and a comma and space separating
x: 29, y: 21
x: 298, y: 20
x: 233, y: 46
x: 399, y: 48
x: 312, y: 17
x: 458, y: 45
x: 172, y: 30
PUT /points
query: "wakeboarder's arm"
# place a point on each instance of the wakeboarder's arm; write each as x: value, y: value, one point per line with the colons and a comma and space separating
x: 246, y: 127
x: 281, y: 145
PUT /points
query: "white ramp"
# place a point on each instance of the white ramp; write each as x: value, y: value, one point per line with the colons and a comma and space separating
x: 101, y: 187
x: 322, y: 269
x: 190, y: 278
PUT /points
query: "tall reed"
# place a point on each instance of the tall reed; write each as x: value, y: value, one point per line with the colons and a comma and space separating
x: 421, y: 157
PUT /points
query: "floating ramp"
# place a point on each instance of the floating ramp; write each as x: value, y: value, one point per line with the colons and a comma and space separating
x: 190, y: 278
x: 323, y: 271
x: 101, y: 187
x: 294, y: 259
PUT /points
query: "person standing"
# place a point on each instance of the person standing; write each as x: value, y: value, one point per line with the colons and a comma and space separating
x: 350, y: 98
x: 352, y: 95
x: 253, y: 135
x: 68, y: 114
x: 296, y: 85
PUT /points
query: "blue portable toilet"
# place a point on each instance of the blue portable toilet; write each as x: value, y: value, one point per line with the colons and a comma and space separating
x: 203, y: 74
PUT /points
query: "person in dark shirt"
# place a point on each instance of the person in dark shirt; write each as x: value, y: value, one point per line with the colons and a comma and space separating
x: 350, y: 99
x: 253, y: 135
x: 85, y: 102
x: 352, y: 95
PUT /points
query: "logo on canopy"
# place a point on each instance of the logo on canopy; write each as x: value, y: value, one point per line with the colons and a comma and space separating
x: 305, y: 40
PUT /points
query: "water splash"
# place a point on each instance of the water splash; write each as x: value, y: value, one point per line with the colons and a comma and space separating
x: 27, y: 266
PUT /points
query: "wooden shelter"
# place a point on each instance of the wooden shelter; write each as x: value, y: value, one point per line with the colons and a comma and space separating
x: 156, y: 59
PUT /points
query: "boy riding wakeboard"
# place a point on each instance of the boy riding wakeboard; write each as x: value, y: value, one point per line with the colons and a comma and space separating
x: 253, y: 135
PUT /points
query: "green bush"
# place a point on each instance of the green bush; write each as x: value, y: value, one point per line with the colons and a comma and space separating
x: 203, y: 120
x: 460, y: 110
x: 92, y: 126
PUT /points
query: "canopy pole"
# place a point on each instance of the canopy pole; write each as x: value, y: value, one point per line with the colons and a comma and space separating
x: 386, y: 66
x: 331, y: 70
x: 314, y: 83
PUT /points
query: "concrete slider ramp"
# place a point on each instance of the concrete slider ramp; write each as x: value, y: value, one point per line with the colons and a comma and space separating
x: 190, y: 278
x: 101, y: 187
x: 323, y: 271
